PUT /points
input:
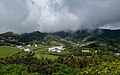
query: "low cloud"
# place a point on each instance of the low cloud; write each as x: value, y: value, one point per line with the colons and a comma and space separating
x: 58, y: 15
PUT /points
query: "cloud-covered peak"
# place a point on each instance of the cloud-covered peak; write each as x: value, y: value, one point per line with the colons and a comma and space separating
x: 58, y: 15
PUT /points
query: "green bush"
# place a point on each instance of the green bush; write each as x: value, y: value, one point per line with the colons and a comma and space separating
x: 105, y: 68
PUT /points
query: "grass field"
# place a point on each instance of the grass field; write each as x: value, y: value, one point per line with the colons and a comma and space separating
x: 42, y: 51
x: 8, y: 51
x: 44, y: 54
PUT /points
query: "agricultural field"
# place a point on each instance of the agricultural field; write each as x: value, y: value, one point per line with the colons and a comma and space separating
x: 33, y: 48
x: 64, y: 63
x: 8, y: 51
x: 42, y: 52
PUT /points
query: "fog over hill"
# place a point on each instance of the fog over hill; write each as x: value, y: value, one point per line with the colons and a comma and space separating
x: 58, y: 15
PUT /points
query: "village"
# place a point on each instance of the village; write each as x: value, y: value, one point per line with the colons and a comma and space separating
x: 57, y: 49
x: 51, y: 49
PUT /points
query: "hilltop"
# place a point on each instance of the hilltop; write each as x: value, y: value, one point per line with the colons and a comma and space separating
x: 100, y: 38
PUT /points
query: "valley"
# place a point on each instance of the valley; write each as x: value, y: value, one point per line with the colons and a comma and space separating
x: 60, y: 53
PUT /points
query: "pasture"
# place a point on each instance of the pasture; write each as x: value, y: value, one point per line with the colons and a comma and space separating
x: 42, y: 52
x: 8, y: 51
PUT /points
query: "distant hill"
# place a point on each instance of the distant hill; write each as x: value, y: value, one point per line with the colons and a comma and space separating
x: 27, y: 37
x: 100, y: 38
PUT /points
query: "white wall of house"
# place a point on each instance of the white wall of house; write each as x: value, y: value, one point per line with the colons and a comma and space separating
x: 86, y: 51
x: 27, y: 50
x: 23, y: 48
x: 35, y: 45
x: 117, y: 53
x: 28, y: 45
x: 56, y: 49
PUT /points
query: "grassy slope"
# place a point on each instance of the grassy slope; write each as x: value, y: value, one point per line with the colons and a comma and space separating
x: 42, y: 51
x: 8, y: 51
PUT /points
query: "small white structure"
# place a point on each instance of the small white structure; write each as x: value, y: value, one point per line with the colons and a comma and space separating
x: 96, y: 51
x: 35, y: 45
x: 56, y: 49
x: 26, y: 50
x: 117, y: 54
x: 23, y: 48
x: 86, y: 51
x: 59, y: 51
x: 20, y: 47
x: 28, y: 45
x: 2, y: 40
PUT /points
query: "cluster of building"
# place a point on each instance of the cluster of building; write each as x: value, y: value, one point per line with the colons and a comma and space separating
x: 56, y: 49
x: 32, y: 45
x: 23, y: 48
x: 117, y: 54
x: 88, y: 51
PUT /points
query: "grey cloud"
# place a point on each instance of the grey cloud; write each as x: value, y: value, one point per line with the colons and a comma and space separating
x: 58, y: 15
x: 14, y: 16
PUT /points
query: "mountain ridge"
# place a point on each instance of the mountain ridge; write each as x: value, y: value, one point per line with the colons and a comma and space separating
x: 103, y: 38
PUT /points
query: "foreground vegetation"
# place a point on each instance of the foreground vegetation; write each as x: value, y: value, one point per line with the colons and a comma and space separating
x: 66, y: 63
x: 42, y: 52
x: 8, y: 51
x: 101, y: 60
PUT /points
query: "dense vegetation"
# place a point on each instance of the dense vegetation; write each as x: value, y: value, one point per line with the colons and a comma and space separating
x: 101, y: 63
x: 106, y: 39
x: 8, y: 51
x: 101, y: 60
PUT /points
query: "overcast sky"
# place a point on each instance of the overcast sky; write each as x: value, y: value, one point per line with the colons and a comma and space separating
x: 58, y: 15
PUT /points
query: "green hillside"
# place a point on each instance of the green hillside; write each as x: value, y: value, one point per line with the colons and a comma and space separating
x: 8, y: 51
x: 85, y: 53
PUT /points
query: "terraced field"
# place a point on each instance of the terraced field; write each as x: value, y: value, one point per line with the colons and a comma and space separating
x: 8, y: 51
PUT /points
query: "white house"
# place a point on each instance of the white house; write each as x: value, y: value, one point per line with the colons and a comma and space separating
x: 20, y: 47
x: 23, y: 48
x: 117, y: 54
x: 96, y: 51
x: 86, y: 51
x: 56, y: 49
x: 2, y: 40
x: 35, y: 45
x: 26, y: 50
x: 59, y: 51
x: 28, y: 45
